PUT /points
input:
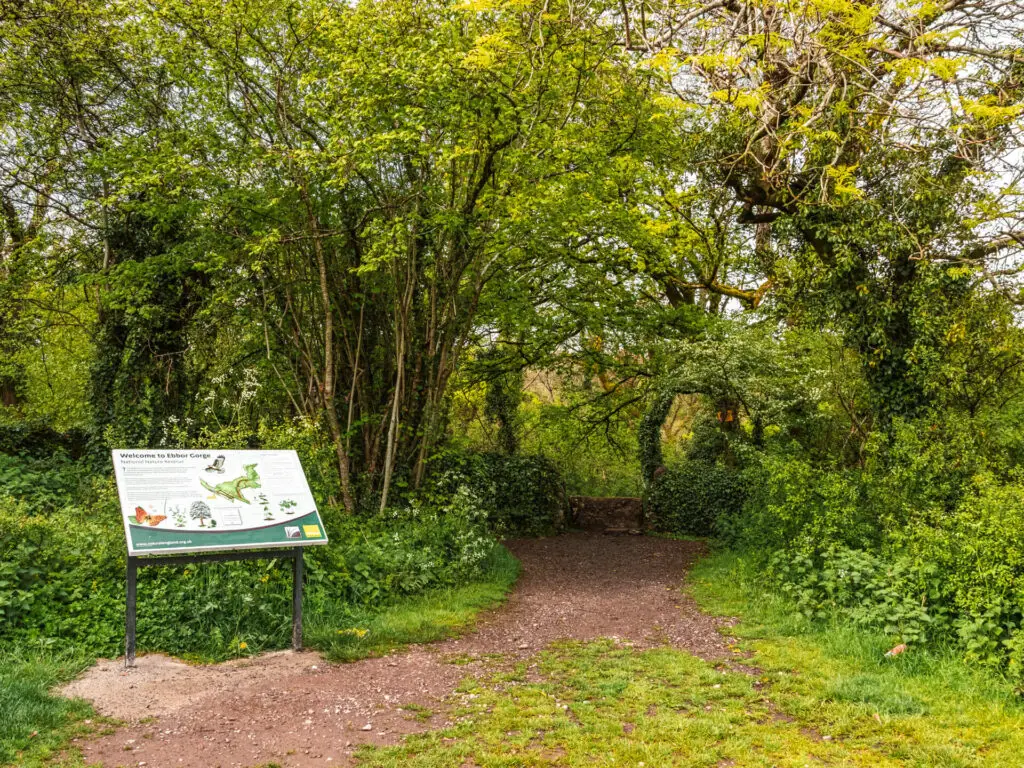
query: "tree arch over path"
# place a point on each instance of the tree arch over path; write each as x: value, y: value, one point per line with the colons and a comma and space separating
x: 742, y: 374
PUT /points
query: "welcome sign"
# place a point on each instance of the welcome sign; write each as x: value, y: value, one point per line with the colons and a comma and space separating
x: 196, y: 500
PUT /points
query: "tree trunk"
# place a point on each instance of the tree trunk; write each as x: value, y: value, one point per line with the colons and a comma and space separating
x: 327, y: 385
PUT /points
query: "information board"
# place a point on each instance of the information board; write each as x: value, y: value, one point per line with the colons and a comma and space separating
x: 194, y: 500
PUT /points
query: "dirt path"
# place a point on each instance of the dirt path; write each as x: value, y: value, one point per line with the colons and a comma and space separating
x: 297, y: 710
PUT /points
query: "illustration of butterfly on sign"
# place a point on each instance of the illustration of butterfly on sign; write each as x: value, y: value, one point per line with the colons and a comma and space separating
x: 143, y: 517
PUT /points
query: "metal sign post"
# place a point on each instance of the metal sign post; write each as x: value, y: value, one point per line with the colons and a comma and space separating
x: 134, y: 563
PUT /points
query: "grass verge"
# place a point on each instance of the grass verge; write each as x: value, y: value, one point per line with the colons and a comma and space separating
x: 342, y: 634
x: 924, y: 707
x: 36, y: 726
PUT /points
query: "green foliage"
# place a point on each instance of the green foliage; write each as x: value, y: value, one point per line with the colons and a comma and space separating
x: 521, y: 494
x: 708, y: 441
x: 974, y: 556
x: 649, y: 435
x: 140, y: 373
x: 410, y: 179
x: 585, y: 431
x: 404, y: 551
x: 864, y: 588
x: 595, y: 455
x: 794, y: 505
x: 502, y: 399
x: 750, y: 380
x: 40, y: 440
x: 923, y: 544
x: 691, y: 496
x: 62, y: 576
x: 43, y: 485
x: 50, y: 365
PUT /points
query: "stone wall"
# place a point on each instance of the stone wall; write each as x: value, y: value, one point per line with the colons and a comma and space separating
x: 611, y: 514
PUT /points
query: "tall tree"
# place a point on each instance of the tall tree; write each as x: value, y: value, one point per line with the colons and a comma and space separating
x: 872, y: 151
x: 359, y: 166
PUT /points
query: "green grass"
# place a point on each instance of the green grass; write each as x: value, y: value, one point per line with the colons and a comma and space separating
x: 599, y: 704
x: 35, y: 726
x: 928, y: 706
x: 821, y: 695
x: 343, y: 635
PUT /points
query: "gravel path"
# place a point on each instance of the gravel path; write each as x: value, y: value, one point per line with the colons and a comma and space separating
x: 297, y: 710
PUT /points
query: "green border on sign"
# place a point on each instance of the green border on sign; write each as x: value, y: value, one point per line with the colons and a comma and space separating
x: 153, y: 540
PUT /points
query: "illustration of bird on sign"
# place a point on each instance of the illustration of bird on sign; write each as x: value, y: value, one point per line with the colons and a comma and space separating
x: 217, y: 466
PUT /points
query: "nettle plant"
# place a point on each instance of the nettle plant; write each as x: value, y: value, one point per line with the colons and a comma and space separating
x: 858, y: 585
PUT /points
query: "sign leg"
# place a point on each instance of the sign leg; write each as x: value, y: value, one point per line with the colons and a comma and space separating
x: 297, y: 601
x: 129, y: 616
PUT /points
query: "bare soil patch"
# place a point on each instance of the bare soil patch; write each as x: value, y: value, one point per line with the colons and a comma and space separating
x: 297, y: 710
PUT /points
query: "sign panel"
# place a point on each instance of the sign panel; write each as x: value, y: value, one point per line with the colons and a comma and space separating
x: 196, y: 500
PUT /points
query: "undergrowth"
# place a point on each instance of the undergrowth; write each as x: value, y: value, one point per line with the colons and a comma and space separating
x: 62, y: 578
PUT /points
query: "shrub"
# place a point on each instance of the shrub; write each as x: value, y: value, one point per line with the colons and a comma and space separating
x: 692, y: 496
x: 43, y: 484
x: 865, y: 588
x: 522, y: 495
x: 406, y: 550
x: 39, y: 440
x: 978, y: 551
x: 61, y: 575
x: 791, y: 504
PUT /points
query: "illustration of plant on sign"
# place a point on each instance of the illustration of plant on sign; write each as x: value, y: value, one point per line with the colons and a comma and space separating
x: 201, y: 511
x: 288, y: 506
x: 232, y: 489
x: 178, y: 513
x: 265, y: 503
